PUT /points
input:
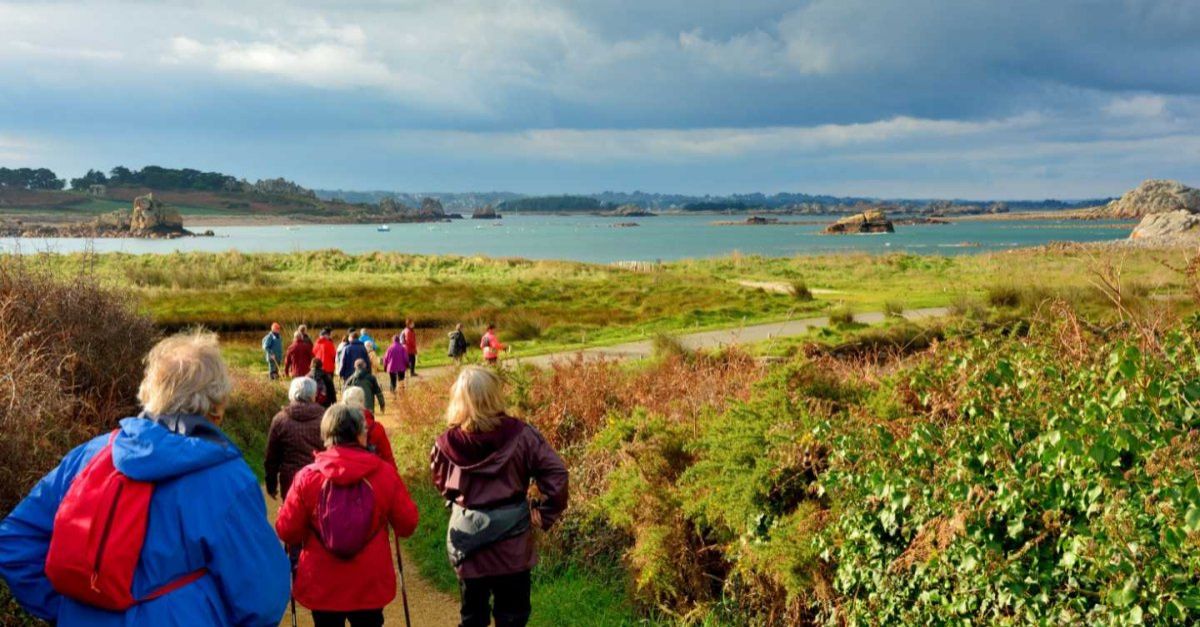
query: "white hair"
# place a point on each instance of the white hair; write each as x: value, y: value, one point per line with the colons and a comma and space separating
x: 354, y: 397
x: 303, y: 390
x: 185, y: 375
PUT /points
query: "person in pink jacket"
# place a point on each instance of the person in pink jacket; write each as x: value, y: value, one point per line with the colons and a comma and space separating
x: 491, y: 346
x: 395, y: 361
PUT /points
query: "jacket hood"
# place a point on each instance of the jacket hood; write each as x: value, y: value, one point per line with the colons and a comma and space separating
x: 485, y: 452
x: 146, y: 450
x: 344, y: 464
x: 302, y: 411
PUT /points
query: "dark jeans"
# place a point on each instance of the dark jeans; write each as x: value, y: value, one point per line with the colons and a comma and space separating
x: 511, y: 593
x: 395, y: 377
x: 412, y: 364
x: 360, y: 618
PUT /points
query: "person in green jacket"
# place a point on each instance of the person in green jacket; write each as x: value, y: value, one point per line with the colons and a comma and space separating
x: 362, y: 378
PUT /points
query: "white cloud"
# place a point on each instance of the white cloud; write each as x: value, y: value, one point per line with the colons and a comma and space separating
x: 1137, y: 107
x: 601, y: 145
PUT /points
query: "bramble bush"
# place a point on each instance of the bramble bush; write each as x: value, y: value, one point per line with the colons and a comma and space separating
x: 1046, y: 476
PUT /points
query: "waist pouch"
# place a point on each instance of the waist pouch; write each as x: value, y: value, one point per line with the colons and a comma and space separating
x: 473, y: 529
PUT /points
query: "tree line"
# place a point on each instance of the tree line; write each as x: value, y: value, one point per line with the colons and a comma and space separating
x: 158, y: 178
x: 29, y: 178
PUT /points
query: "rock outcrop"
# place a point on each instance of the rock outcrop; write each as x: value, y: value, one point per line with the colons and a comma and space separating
x: 629, y: 211
x: 1170, y: 225
x: 432, y: 208
x: 486, y: 212
x: 872, y: 221
x: 1151, y: 197
x: 151, y: 217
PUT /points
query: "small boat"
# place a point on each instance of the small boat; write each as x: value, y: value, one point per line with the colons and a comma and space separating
x: 383, y: 228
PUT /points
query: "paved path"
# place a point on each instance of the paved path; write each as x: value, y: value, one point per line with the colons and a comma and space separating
x: 706, y: 339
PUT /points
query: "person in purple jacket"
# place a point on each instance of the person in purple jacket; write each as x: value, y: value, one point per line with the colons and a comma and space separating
x: 483, y: 465
x: 395, y: 361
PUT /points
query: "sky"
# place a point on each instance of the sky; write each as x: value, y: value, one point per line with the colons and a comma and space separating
x: 1005, y: 99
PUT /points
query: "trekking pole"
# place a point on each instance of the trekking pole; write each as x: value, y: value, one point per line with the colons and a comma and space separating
x: 293, y: 590
x: 403, y: 590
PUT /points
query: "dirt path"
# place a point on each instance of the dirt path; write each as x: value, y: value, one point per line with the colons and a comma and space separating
x: 706, y: 339
x: 427, y: 607
x: 430, y: 607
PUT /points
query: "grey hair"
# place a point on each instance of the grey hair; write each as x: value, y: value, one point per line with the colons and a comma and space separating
x: 342, y: 424
x: 354, y: 397
x: 302, y: 390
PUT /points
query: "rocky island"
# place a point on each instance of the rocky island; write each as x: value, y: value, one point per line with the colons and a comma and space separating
x: 1170, y: 211
x: 486, y: 212
x: 871, y: 221
x: 149, y: 218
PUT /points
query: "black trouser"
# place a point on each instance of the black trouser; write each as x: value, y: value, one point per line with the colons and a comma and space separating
x: 511, y: 593
x: 359, y: 618
x: 396, y: 377
x: 412, y: 364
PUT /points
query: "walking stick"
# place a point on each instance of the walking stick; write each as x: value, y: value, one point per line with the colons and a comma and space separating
x: 293, y: 590
x: 403, y: 590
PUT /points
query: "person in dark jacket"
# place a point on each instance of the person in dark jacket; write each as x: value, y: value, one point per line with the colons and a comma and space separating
x: 351, y: 354
x: 294, y: 437
x: 326, y: 394
x: 206, y: 513
x: 272, y: 345
x: 299, y: 356
x: 483, y: 465
x: 362, y: 378
x: 458, y: 344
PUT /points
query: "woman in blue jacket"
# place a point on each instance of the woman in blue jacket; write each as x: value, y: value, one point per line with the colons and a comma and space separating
x: 206, y: 515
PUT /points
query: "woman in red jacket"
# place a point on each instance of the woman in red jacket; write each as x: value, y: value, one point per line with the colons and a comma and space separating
x: 342, y: 580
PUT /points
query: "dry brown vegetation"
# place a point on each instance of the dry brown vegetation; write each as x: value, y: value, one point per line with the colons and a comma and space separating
x: 70, y: 366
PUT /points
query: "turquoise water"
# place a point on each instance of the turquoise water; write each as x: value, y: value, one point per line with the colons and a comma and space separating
x: 592, y: 238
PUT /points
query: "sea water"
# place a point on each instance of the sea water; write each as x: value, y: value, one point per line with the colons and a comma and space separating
x: 596, y: 239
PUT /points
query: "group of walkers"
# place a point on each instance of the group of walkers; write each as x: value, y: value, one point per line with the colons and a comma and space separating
x: 161, y: 522
x: 303, y: 357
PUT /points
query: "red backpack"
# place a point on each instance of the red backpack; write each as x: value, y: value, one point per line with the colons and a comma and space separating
x: 98, y: 534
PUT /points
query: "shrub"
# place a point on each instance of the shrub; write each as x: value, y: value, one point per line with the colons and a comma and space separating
x: 799, y: 290
x: 523, y: 328
x: 1008, y: 296
x: 72, y: 362
x: 893, y: 309
x: 841, y: 316
x: 667, y: 346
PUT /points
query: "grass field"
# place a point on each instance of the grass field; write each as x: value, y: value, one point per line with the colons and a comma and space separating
x: 550, y: 306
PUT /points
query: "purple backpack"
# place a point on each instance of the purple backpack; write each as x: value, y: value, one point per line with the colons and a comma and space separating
x: 344, y: 517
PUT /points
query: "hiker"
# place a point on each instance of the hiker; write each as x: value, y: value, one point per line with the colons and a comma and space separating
x: 208, y: 556
x: 395, y: 360
x: 353, y: 353
x: 325, y: 350
x: 272, y: 346
x: 362, y: 378
x: 299, y: 355
x: 365, y: 338
x: 491, y: 346
x: 409, y: 337
x: 326, y: 392
x: 483, y: 465
x: 294, y: 437
x: 377, y: 439
x: 338, y: 512
x: 458, y: 344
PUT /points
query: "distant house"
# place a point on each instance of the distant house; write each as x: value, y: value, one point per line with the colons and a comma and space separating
x: 97, y: 190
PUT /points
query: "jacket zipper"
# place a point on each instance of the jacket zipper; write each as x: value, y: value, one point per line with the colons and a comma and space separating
x: 104, y: 537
